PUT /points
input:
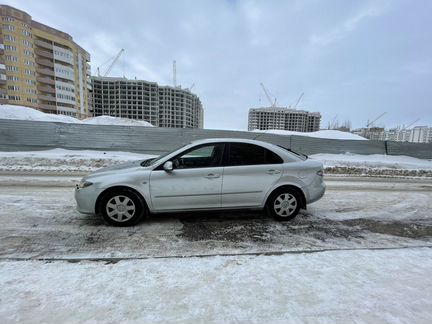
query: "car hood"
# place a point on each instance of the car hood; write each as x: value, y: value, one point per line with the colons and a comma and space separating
x: 118, y: 167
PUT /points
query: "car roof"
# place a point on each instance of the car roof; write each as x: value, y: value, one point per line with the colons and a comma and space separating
x: 228, y: 139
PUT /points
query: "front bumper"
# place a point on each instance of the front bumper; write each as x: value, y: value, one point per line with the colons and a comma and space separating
x: 86, y: 199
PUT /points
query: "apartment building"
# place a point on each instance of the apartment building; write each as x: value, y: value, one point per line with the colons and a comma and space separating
x: 162, y: 106
x: 283, y: 118
x: 42, y: 67
x: 418, y: 134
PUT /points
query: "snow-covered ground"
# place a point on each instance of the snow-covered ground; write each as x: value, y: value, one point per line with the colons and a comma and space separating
x: 330, y: 287
x: 24, y: 113
x: 329, y: 134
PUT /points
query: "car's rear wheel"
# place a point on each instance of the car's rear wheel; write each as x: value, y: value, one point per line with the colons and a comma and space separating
x: 284, y: 204
x: 122, y: 207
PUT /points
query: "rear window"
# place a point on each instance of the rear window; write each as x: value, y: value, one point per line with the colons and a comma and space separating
x: 249, y: 154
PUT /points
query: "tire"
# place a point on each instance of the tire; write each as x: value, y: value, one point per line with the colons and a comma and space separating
x: 122, y: 207
x: 284, y: 204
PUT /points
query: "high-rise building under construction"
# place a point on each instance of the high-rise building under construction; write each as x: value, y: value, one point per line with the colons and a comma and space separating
x: 284, y: 119
x: 163, y: 106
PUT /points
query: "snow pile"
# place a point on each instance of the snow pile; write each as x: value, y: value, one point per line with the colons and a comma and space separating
x: 108, y: 120
x: 24, y: 113
x: 329, y: 134
x: 64, y: 161
x: 373, y: 161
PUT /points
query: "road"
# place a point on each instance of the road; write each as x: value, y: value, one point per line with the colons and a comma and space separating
x: 38, y: 221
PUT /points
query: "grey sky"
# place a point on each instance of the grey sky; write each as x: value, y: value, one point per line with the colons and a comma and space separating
x: 352, y: 59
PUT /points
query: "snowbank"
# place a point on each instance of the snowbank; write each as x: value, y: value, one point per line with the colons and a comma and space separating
x: 329, y: 134
x: 373, y: 161
x: 24, y: 113
x: 108, y: 120
x: 61, y: 160
x: 64, y: 161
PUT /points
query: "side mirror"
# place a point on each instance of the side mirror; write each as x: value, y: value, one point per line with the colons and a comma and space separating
x: 168, y: 166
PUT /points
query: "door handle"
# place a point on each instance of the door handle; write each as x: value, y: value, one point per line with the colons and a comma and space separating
x: 212, y: 176
x: 272, y: 171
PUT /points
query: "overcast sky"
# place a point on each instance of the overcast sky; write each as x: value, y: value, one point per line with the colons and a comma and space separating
x: 353, y: 59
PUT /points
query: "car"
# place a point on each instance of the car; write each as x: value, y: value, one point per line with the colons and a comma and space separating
x: 209, y: 174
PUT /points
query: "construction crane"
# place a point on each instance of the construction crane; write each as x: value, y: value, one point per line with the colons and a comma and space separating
x: 114, y: 60
x: 191, y: 87
x: 300, y: 98
x: 412, y: 123
x: 371, y: 123
x: 272, y: 104
x: 174, y: 74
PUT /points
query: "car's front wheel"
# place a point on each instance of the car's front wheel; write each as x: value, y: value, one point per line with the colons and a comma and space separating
x: 122, y: 207
x: 284, y: 204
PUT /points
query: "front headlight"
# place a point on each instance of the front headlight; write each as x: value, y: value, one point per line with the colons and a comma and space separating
x: 84, y: 184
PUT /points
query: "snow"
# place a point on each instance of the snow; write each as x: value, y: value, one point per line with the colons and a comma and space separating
x: 61, y: 160
x: 329, y: 134
x: 108, y: 120
x: 331, y: 287
x: 373, y: 161
x: 87, y: 160
x: 25, y: 113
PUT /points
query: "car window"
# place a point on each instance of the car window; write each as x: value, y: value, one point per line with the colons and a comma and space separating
x: 204, y: 156
x: 249, y: 154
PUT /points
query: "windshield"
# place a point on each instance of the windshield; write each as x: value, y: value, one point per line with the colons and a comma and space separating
x: 150, y: 162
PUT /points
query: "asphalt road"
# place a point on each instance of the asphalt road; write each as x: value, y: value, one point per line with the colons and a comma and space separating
x: 38, y: 221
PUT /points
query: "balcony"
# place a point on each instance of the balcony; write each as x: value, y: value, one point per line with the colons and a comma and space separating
x: 43, y: 53
x: 43, y: 44
x: 44, y: 62
x: 42, y: 88
x: 47, y: 98
x: 45, y: 71
x: 45, y: 80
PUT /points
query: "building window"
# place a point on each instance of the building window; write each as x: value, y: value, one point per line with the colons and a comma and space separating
x: 14, y: 88
x: 8, y: 27
x: 12, y: 78
x: 27, y: 43
x: 16, y: 98
x: 28, y: 53
x: 8, y: 19
x: 12, y: 68
x: 10, y: 48
x: 11, y: 58
x: 10, y: 38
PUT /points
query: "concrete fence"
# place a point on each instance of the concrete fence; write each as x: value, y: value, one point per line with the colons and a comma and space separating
x: 20, y: 135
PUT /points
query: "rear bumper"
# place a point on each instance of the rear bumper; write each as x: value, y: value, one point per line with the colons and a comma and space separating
x: 316, y: 192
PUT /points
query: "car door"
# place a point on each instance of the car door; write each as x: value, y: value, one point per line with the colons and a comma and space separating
x: 250, y: 172
x: 194, y: 183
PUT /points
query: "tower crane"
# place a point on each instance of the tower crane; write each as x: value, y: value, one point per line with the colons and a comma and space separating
x: 412, y: 123
x: 114, y: 60
x: 371, y: 123
x: 272, y: 104
x: 300, y: 98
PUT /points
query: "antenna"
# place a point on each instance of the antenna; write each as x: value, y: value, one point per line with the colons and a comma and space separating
x: 174, y: 74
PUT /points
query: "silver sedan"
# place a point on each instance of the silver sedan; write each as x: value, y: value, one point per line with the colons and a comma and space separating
x: 204, y: 175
